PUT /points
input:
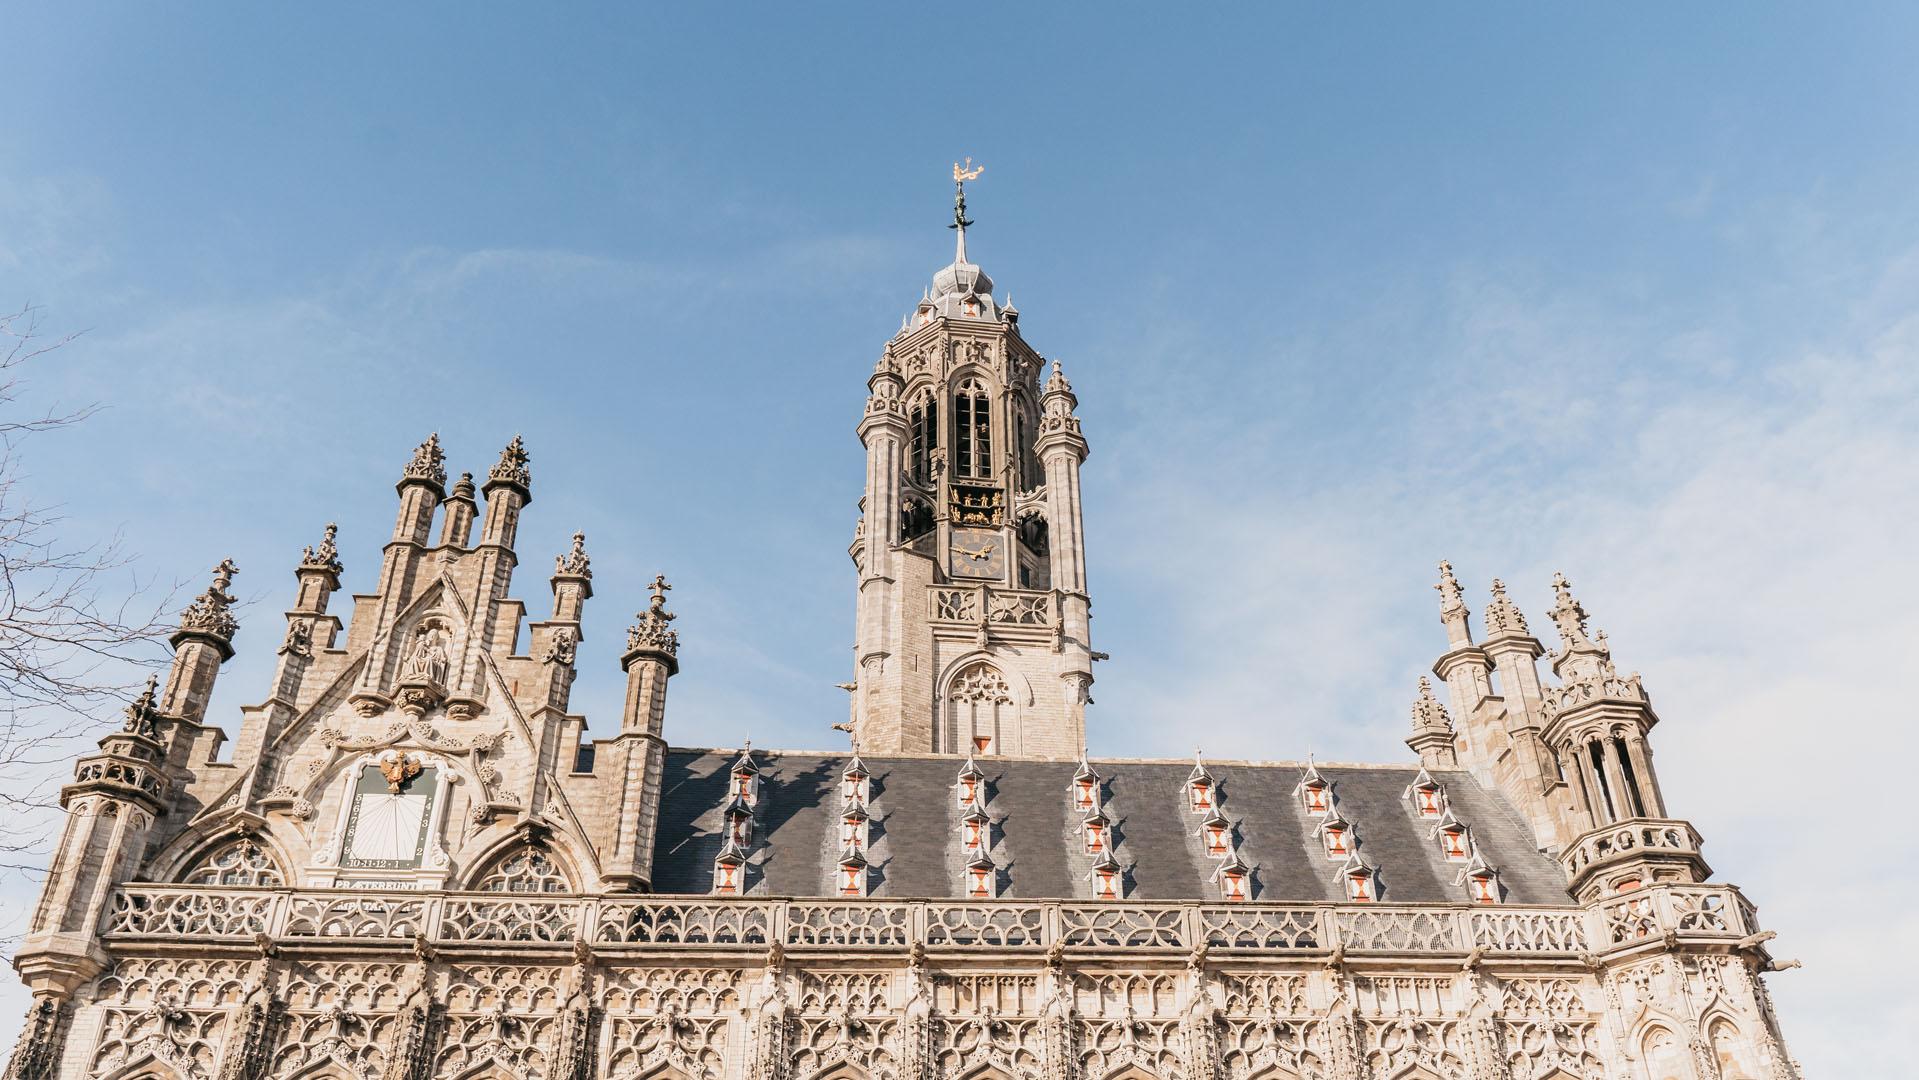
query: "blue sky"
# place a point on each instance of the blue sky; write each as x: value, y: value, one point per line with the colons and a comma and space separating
x: 1627, y: 292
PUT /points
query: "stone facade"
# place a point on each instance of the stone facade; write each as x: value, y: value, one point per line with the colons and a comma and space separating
x: 416, y: 866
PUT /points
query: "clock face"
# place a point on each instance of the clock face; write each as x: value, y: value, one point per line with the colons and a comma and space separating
x: 977, y: 553
x: 387, y: 829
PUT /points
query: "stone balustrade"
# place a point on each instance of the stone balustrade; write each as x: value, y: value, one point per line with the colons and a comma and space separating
x: 209, y: 915
x: 1629, y: 839
x: 1607, y: 686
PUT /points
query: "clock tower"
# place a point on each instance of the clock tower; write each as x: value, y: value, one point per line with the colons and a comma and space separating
x: 972, y: 617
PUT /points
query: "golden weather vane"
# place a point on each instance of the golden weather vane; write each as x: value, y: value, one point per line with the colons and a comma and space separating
x: 961, y: 174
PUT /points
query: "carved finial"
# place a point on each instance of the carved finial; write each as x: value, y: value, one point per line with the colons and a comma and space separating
x: 652, y: 631
x: 1057, y: 384
x: 209, y: 611
x: 1502, y: 615
x: 1451, y: 599
x: 1567, y: 615
x: 574, y: 562
x: 429, y: 462
x: 1428, y: 713
x: 326, y: 556
x: 512, y: 466
x: 142, y: 715
x: 463, y: 487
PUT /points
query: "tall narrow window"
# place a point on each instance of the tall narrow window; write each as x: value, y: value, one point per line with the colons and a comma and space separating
x: 1597, y: 751
x: 924, y: 429
x: 1632, y: 798
x: 972, y: 431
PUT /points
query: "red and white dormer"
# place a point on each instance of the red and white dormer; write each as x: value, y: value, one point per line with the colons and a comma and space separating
x: 1426, y: 796
x: 976, y: 830
x: 729, y: 870
x: 1480, y: 880
x: 855, y: 784
x: 1234, y: 878
x: 982, y: 877
x: 1453, y: 837
x: 739, y: 821
x: 1085, y: 792
x: 970, y: 788
x: 1107, y: 877
x: 1216, y: 835
x: 1202, y: 791
x: 1096, y: 832
x: 1314, y: 792
x: 745, y: 782
x: 851, y: 872
x: 1359, y: 879
x: 1338, y: 837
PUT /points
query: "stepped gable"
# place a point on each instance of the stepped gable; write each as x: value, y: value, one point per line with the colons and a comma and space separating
x: 914, y: 830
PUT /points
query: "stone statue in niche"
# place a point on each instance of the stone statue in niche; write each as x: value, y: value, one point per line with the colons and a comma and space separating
x: 427, y: 663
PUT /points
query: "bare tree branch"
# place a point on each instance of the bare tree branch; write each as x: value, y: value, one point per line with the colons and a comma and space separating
x: 78, y: 628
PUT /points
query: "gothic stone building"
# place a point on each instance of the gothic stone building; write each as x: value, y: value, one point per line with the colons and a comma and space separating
x: 416, y: 863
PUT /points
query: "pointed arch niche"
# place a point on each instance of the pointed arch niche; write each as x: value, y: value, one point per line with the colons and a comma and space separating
x: 526, y: 868
x: 979, y: 711
x: 241, y: 859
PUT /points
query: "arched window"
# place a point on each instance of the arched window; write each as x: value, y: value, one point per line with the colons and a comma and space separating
x: 972, y: 431
x: 525, y: 870
x: 924, y: 426
x: 978, y: 700
x: 240, y: 861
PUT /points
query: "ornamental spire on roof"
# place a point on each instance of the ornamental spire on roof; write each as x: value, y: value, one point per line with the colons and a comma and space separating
x: 961, y: 174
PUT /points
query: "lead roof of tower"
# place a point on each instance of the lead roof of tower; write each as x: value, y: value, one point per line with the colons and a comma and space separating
x: 916, y: 820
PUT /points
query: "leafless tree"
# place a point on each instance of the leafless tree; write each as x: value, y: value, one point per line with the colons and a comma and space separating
x: 77, y: 627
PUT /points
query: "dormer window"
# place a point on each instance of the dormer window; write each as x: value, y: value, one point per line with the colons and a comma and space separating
x: 1483, y: 887
x: 1217, y: 834
x: 853, y: 830
x: 852, y: 876
x: 1095, y: 829
x: 1085, y: 789
x: 1199, y: 793
x: 974, y: 828
x: 853, y: 785
x: 1337, y: 840
x: 1359, y: 886
x: 970, y: 306
x: 1452, y: 841
x: 739, y: 823
x: 971, y: 784
x: 1427, y: 800
x: 1362, y: 881
x: 981, y: 878
x: 1106, y: 879
x: 1234, y: 879
x: 924, y: 316
x: 746, y: 778
x: 729, y: 870
x: 1314, y: 795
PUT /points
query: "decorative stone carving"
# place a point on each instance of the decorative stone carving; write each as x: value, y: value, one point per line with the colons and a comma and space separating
x: 653, y: 630
x: 575, y: 562
x: 143, y: 717
x: 512, y: 466
x: 1502, y: 615
x: 428, y: 463
x: 209, y: 613
x: 326, y: 556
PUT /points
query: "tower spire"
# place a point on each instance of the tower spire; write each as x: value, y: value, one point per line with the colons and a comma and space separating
x: 961, y: 174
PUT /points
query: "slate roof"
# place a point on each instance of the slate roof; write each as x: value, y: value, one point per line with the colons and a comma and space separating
x: 914, y: 848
